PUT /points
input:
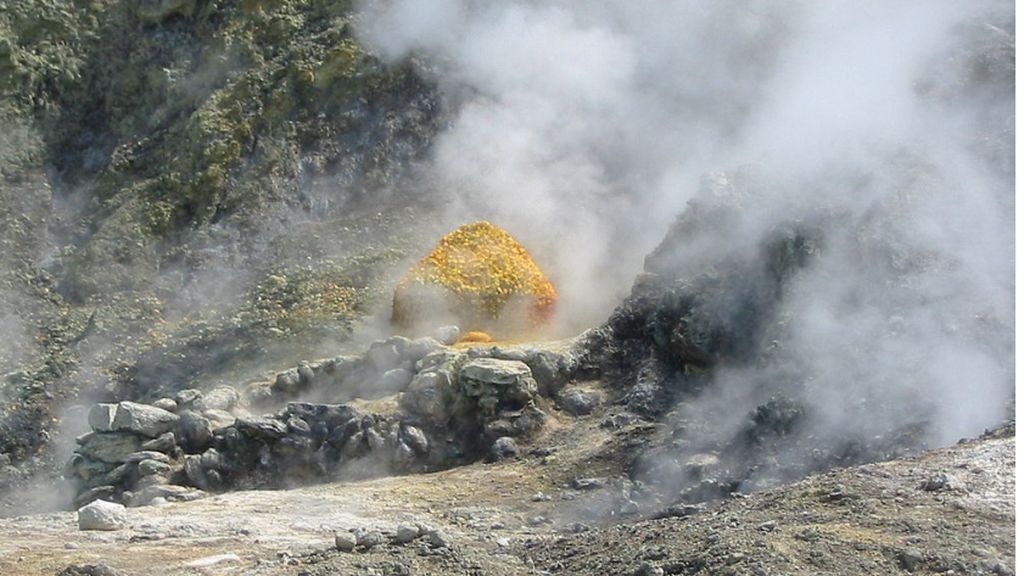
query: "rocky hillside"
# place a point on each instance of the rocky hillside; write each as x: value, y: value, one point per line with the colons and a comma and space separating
x: 189, y: 189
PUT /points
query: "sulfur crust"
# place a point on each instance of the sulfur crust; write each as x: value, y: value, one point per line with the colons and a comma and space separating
x: 485, y: 267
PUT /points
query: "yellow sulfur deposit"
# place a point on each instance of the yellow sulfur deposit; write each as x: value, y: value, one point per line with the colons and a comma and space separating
x: 479, y: 277
x: 475, y: 337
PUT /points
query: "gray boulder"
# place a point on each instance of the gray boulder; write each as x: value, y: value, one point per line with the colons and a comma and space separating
x: 148, y: 467
x: 143, y: 419
x: 219, y: 419
x: 162, y: 443
x: 113, y: 477
x: 188, y: 397
x: 425, y: 395
x: 369, y: 538
x: 194, y: 472
x: 220, y: 398
x: 447, y: 335
x: 263, y: 428
x: 406, y: 533
x: 415, y: 439
x: 345, y: 541
x: 93, y: 494
x: 194, y: 431
x: 394, y: 381
x: 420, y: 347
x: 101, y: 417
x: 109, y: 447
x: 578, y: 401
x: 166, y: 404
x: 169, y: 492
x: 141, y: 455
x: 504, y: 447
x: 387, y: 354
x: 102, y: 515
x: 495, y: 372
x: 287, y: 382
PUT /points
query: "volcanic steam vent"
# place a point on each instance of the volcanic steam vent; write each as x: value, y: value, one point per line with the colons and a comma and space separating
x: 480, y: 278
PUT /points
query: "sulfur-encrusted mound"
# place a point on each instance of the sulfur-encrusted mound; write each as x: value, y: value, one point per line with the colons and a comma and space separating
x: 481, y: 278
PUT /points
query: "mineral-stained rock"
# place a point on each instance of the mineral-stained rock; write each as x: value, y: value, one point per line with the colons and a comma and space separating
x: 262, y: 428
x: 102, y: 515
x: 110, y: 447
x: 101, y: 417
x: 143, y: 419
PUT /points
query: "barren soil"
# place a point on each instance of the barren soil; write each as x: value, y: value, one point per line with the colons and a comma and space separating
x: 523, y: 517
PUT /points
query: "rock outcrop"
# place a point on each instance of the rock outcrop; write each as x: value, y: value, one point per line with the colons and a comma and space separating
x: 403, y: 406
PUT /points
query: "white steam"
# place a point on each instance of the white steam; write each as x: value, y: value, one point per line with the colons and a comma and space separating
x: 583, y: 127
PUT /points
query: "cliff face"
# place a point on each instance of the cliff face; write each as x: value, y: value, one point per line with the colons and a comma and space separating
x: 187, y: 185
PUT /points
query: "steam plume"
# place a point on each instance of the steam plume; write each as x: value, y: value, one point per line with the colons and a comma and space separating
x: 585, y: 127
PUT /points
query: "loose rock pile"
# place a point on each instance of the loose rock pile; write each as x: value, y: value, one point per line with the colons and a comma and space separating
x: 405, y: 405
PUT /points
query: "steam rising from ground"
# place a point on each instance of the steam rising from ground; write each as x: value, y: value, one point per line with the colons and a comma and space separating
x: 583, y: 128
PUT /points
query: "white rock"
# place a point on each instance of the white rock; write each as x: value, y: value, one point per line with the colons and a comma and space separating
x: 211, y: 560
x: 447, y: 335
x: 102, y: 515
x: 345, y: 541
